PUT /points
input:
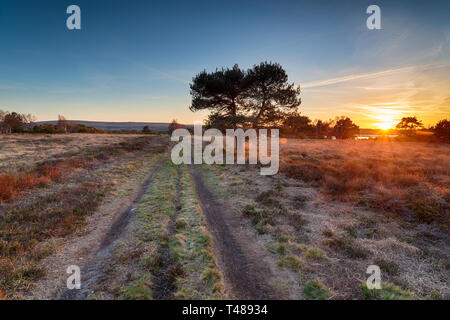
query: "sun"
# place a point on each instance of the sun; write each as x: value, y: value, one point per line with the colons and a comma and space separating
x: 385, y: 125
x: 386, y: 121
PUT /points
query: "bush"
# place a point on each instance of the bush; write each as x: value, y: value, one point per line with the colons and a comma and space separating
x: 266, y: 199
x: 425, y: 213
x: 315, y: 253
x: 348, y: 247
x: 388, y: 291
x: 291, y: 262
x: 389, y: 267
x: 317, y: 290
x: 257, y: 216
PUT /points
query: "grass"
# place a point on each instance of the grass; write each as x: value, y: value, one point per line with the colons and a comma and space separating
x: 388, y: 291
x: 139, y: 289
x: 55, y: 215
x: 389, y: 267
x: 316, y: 290
x: 200, y: 277
x: 52, y: 170
x: 267, y: 198
x: 313, y: 253
x: 27, y: 224
x: 291, y: 262
x: 361, y: 202
x: 388, y: 176
x: 348, y: 247
x: 170, y: 219
x: 258, y: 216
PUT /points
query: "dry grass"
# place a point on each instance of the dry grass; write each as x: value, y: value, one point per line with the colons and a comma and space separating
x: 74, y: 188
x: 339, y: 206
x: 21, y: 152
x: 408, y: 179
x: 56, y: 166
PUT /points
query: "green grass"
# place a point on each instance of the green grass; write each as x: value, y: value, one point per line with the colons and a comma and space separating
x: 291, y: 262
x: 200, y: 277
x: 155, y: 212
x: 313, y: 253
x: 257, y: 216
x: 349, y: 247
x: 139, y: 289
x: 388, y: 291
x: 389, y: 267
x: 317, y: 290
x: 172, y: 199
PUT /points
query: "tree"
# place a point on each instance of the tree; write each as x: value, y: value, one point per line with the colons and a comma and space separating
x: 28, y: 121
x: 442, y: 130
x: 323, y: 129
x: 223, y: 122
x: 46, y: 128
x: 220, y: 91
x: 174, y: 125
x: 13, y: 122
x: 297, y: 125
x: 2, y: 123
x: 345, y: 128
x: 146, y: 129
x: 268, y: 95
x: 409, y: 125
x: 62, y: 124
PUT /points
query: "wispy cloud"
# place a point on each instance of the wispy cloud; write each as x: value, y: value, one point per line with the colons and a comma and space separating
x: 165, y: 75
x: 372, y: 75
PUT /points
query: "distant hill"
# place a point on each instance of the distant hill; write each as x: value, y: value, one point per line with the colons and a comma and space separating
x: 154, y: 126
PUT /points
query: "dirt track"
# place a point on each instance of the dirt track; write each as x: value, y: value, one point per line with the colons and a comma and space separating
x: 240, y: 259
x: 94, y: 268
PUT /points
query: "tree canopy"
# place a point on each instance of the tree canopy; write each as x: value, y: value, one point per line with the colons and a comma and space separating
x: 13, y: 122
x: 409, y: 125
x: 220, y: 91
x: 268, y: 94
x: 442, y: 129
x: 258, y: 96
x: 345, y: 128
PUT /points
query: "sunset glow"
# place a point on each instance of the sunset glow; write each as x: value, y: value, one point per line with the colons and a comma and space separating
x: 374, y: 77
x: 386, y: 122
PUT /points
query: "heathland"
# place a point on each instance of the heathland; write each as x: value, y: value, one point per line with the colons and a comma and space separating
x: 140, y: 227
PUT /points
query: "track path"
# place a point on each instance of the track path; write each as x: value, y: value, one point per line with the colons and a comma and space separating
x: 240, y: 258
x: 93, y: 269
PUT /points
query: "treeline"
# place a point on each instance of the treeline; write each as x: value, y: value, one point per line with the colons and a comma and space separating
x: 298, y: 126
x: 13, y: 122
x: 411, y: 128
x: 408, y: 128
x: 262, y: 97
x: 64, y: 126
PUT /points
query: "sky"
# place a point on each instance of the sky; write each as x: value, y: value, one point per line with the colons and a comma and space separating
x: 134, y: 60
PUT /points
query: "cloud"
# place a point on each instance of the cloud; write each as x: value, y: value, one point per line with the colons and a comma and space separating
x: 372, y: 75
x: 164, y: 75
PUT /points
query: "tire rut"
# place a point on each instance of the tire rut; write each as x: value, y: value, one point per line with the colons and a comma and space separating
x: 93, y: 270
x: 164, y: 278
x: 243, y: 268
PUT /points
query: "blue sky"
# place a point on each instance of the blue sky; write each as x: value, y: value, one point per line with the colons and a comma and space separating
x: 133, y: 60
